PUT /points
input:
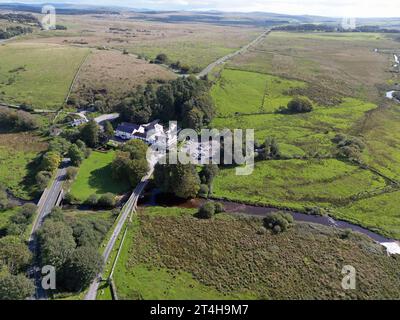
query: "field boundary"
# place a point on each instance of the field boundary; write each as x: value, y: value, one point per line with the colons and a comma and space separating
x: 74, y: 80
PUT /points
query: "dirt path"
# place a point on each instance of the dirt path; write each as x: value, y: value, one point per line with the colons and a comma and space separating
x: 222, y: 60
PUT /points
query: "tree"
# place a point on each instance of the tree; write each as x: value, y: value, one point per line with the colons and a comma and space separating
x: 29, y: 210
x: 161, y: 58
x: 59, y: 145
x: 14, y: 254
x: 16, y: 287
x: 76, y: 155
x: 181, y: 180
x: 92, y: 200
x: 90, y: 134
x: 72, y: 172
x: 51, y: 161
x: 131, y: 163
x: 108, y: 129
x: 208, y: 174
x: 56, y: 243
x: 271, y: 149
x: 84, y: 264
x: 299, y: 105
x: 57, y: 215
x: 204, y: 191
x: 207, y: 210
x: 107, y: 201
x: 43, y: 179
x: 137, y: 149
x: 3, y: 199
x: 89, y: 232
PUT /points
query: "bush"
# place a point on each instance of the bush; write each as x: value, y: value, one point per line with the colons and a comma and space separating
x: 161, y: 58
x: 43, y: 179
x: 17, y: 120
x: 107, y: 201
x: 72, y: 172
x: 299, y: 105
x: 70, y: 199
x: 16, y: 287
x: 203, y: 191
x: 3, y: 199
x: 219, y: 207
x: 28, y: 210
x: 279, y: 222
x: 207, y: 210
x: 92, y: 201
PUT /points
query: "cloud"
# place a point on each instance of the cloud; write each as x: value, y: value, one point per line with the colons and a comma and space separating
x: 355, y: 8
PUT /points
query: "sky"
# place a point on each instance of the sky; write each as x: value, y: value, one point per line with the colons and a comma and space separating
x: 331, y: 8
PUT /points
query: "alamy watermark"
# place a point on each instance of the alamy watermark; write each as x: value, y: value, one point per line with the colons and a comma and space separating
x: 349, y: 23
x: 349, y: 280
x: 212, y: 146
x: 49, y: 20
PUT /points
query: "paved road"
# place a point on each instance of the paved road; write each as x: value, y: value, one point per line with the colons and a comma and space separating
x: 46, y: 204
x: 128, y: 209
x: 222, y: 60
x: 106, y: 117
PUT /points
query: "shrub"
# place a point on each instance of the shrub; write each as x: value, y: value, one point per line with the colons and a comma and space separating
x: 219, y: 207
x: 207, y: 210
x: 203, y: 191
x: 278, y: 222
x: 70, y: 199
x: 43, y: 179
x: 161, y: 58
x: 299, y: 105
x: 28, y: 210
x: 72, y: 173
x: 107, y: 201
x: 92, y: 201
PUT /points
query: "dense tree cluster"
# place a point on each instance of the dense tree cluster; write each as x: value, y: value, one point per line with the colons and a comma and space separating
x: 21, y: 220
x: 181, y: 180
x: 25, y: 18
x: 162, y: 58
x: 16, y: 121
x: 186, y: 100
x: 309, y: 27
x: 15, y: 257
x: 11, y: 32
x: 297, y: 105
x: 131, y: 162
x: 72, y: 248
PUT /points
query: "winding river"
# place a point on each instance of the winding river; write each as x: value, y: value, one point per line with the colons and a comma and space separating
x: 154, y: 198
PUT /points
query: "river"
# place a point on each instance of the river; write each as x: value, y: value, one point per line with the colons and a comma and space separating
x: 154, y: 198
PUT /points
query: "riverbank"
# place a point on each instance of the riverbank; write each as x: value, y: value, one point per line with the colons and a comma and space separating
x: 155, y: 198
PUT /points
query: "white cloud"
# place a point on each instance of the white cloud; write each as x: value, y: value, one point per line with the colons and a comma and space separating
x: 356, y: 8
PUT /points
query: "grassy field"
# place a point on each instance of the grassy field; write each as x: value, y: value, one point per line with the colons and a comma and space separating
x: 116, y: 74
x: 297, y: 134
x: 334, y: 64
x: 17, y: 151
x: 250, y: 92
x: 37, y: 74
x: 169, y: 254
x: 380, y: 213
x: 194, y: 44
x: 346, y: 79
x: 95, y: 177
x: 298, y: 183
x: 381, y: 131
